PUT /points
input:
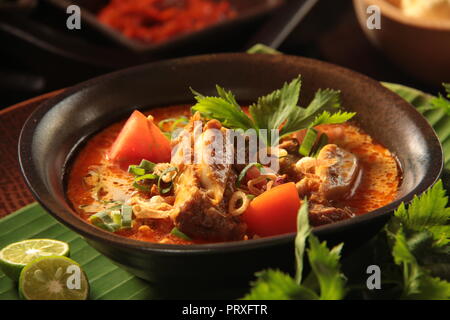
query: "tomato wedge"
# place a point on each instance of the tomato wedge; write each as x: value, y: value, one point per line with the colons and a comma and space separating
x: 140, y: 138
x: 274, y: 212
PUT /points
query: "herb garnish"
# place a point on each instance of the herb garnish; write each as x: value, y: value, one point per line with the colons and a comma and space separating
x: 418, y: 244
x: 177, y: 233
x: 277, y: 110
x: 325, y: 281
x: 113, y: 219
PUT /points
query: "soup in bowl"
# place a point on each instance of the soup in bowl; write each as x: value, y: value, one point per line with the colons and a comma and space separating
x: 168, y: 218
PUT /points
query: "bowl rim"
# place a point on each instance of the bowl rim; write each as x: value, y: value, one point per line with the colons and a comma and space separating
x: 91, y: 232
x: 395, y: 13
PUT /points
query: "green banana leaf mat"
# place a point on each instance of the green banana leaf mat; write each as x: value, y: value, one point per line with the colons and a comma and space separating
x: 107, y: 281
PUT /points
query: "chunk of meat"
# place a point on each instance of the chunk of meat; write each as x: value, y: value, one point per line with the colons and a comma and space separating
x: 199, y: 216
x: 320, y: 214
x: 203, y: 189
x: 212, y: 166
x: 338, y: 177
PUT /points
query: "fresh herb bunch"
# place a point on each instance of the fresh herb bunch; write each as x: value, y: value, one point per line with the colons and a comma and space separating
x: 417, y: 242
x: 277, y: 110
x: 419, y: 236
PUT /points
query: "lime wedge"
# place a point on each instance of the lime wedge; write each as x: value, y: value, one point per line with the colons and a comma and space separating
x: 53, y: 278
x: 14, y: 257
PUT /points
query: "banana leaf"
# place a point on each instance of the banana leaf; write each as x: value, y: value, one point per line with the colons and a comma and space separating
x: 107, y: 280
x: 437, y: 118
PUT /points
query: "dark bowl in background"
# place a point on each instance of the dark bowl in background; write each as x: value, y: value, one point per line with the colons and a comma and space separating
x: 54, y: 133
x: 248, y: 11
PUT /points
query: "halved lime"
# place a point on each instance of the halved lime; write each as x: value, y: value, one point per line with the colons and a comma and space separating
x: 14, y: 257
x: 53, y: 278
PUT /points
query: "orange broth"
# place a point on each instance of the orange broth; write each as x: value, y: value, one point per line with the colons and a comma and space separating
x: 379, y: 179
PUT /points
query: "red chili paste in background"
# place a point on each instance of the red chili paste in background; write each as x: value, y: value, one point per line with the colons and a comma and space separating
x: 155, y: 21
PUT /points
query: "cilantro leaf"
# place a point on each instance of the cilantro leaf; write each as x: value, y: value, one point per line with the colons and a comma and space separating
x: 327, y: 269
x: 440, y: 102
x: 223, y: 108
x: 302, y: 117
x: 428, y: 212
x: 272, y: 110
x: 432, y: 288
x: 447, y: 89
x: 417, y: 281
x: 277, y: 285
x: 277, y: 110
x: 325, y: 276
x: 328, y: 118
x: 419, y: 240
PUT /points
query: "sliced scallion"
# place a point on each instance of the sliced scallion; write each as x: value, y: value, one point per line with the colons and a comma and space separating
x: 175, y: 122
x: 308, y: 142
x: 177, y: 233
x: 102, y: 216
x: 147, y: 165
x: 136, y: 170
x: 167, y: 189
x: 127, y: 216
x: 251, y: 196
x: 141, y: 187
x: 323, y: 141
x: 105, y: 221
x: 143, y: 168
x: 116, y: 216
x: 149, y: 176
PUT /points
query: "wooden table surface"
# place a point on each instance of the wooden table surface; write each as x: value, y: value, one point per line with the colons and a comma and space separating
x: 14, y: 193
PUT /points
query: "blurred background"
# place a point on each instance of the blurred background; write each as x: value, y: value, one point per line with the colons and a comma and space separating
x: 38, y: 53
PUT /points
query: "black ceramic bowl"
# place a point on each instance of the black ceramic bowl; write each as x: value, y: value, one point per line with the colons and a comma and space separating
x: 54, y: 133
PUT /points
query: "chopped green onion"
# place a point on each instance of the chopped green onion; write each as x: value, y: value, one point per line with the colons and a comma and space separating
x: 103, y: 220
x: 177, y: 233
x: 149, y: 176
x: 244, y: 172
x: 251, y: 196
x: 167, y: 189
x: 108, y: 227
x: 112, y: 219
x: 144, y: 177
x: 175, y: 122
x: 127, y: 216
x: 141, y: 187
x: 308, y: 142
x: 323, y: 141
x: 116, y: 217
x: 102, y: 216
x: 147, y: 165
x: 144, y: 167
x: 136, y: 170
